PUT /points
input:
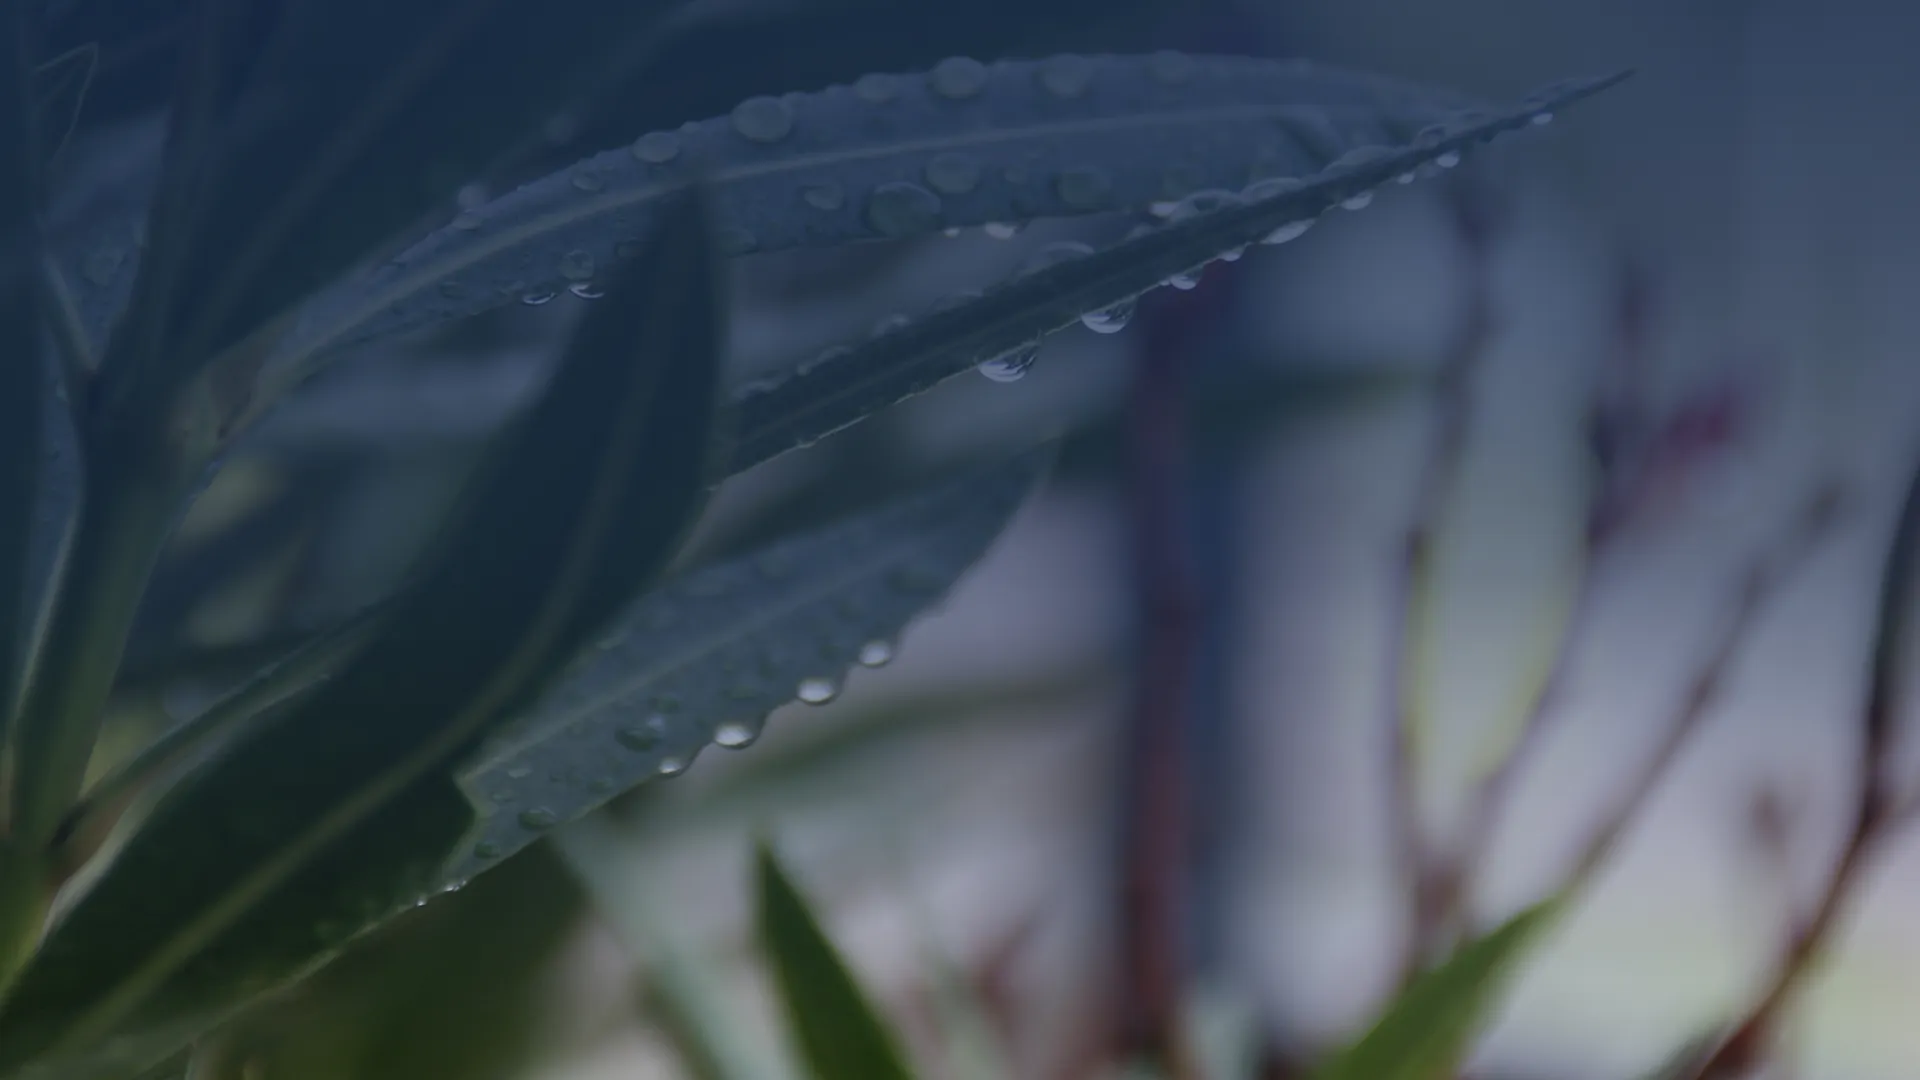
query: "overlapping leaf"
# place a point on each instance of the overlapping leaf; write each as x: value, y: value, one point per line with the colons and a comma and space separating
x: 843, y: 385
x: 358, y: 118
x: 890, y: 155
x: 837, y: 1030
x: 711, y: 653
x: 348, y: 814
x: 1426, y: 1032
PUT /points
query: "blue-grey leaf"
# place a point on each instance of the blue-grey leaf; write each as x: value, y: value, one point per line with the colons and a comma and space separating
x: 711, y: 653
x: 845, y: 384
x: 962, y: 144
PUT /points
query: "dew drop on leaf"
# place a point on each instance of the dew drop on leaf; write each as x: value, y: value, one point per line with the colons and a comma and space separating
x: 763, y: 119
x: 824, y: 195
x: 1110, y: 320
x: 588, y: 182
x: 671, y: 766
x: 538, y: 817
x: 899, y: 208
x: 643, y: 736
x: 1066, y: 76
x: 816, y: 691
x: 656, y: 147
x: 1292, y: 230
x: 1001, y: 230
x: 735, y: 735
x: 1186, y: 280
x: 585, y: 290
x: 1357, y: 202
x: 876, y: 653
x: 1013, y: 366
x: 1448, y: 160
x: 535, y: 299
x: 958, y: 78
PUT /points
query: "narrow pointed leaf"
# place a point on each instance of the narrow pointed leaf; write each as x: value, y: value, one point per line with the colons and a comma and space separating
x: 888, y: 156
x: 358, y: 118
x: 723, y: 646
x: 60, y: 88
x: 349, y: 815
x: 1426, y: 1032
x: 846, y: 384
x: 837, y: 1029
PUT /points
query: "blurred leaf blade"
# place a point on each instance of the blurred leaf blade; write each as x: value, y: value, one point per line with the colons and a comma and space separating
x: 721, y: 647
x: 892, y: 155
x: 1426, y: 1032
x: 23, y: 396
x: 584, y: 501
x: 340, y: 140
x: 836, y: 1028
x: 60, y: 89
x: 843, y: 386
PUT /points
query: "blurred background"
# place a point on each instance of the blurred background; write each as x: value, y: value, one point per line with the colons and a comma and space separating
x: 1529, y: 522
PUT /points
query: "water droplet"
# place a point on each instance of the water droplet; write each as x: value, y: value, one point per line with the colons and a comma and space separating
x: 588, y: 182
x: 958, y: 78
x: 735, y: 734
x: 953, y: 174
x: 485, y: 849
x: 876, y: 653
x: 671, y: 766
x: 876, y: 89
x: 1083, y: 187
x: 1186, y: 280
x: 816, y: 691
x: 467, y: 222
x: 538, y: 817
x: 1448, y: 160
x: 952, y: 232
x: 1292, y: 230
x: 1407, y: 177
x: 1002, y: 230
x: 889, y: 324
x: 824, y: 195
x: 656, y: 147
x: 1013, y: 366
x: 763, y: 119
x: 1357, y: 202
x: 1170, y: 68
x: 1164, y: 209
x: 1109, y: 320
x: 576, y: 265
x: 899, y: 208
x: 1066, y: 76
x: 1540, y: 119
x: 535, y: 299
x: 519, y: 772
x: 643, y: 736
x: 1232, y: 255
x: 585, y: 290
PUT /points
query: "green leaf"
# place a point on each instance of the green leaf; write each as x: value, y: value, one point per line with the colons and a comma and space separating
x: 1426, y: 1032
x: 60, y: 88
x: 349, y: 815
x: 888, y: 156
x: 711, y: 653
x: 838, y: 1032
x: 845, y: 384
x: 357, y: 118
